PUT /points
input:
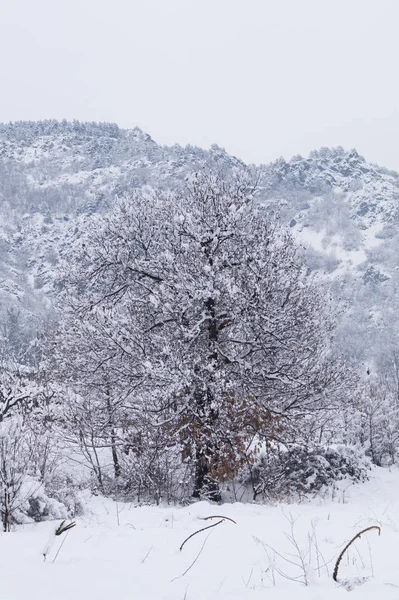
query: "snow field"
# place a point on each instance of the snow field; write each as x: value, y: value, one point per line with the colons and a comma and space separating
x: 125, y: 552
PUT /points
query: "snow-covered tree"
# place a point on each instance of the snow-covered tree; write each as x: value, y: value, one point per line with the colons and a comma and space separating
x: 199, y: 305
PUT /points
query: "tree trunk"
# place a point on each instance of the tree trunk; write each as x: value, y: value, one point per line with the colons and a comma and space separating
x: 7, y: 512
x: 115, y: 459
x: 204, y: 485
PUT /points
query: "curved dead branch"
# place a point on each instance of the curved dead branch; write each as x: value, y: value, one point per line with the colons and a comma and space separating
x: 199, y: 531
x: 335, y: 574
x: 218, y: 517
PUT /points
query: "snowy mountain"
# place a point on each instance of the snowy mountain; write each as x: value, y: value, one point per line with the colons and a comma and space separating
x: 53, y: 174
x: 342, y: 208
x: 346, y: 212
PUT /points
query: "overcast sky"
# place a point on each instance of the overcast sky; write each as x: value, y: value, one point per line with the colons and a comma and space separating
x: 263, y: 78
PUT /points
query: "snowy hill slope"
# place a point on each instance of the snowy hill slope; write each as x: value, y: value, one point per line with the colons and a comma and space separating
x: 346, y: 212
x: 337, y: 202
x: 281, y: 552
x: 372, y: 191
x: 54, y: 175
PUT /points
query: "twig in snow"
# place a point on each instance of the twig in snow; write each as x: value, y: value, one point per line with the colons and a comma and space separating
x: 196, y: 558
x: 218, y: 517
x: 371, y: 558
x: 87, y: 539
x: 249, y: 578
x: 199, y: 531
x: 147, y: 555
x: 221, y: 584
x: 62, y: 528
x: 358, y: 535
x: 59, y: 549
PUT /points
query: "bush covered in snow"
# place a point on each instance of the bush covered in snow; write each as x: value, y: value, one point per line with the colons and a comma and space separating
x: 299, y: 470
x: 34, y: 504
x: 30, y: 490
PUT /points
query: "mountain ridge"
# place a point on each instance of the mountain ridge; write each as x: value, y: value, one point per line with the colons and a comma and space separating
x: 54, y: 174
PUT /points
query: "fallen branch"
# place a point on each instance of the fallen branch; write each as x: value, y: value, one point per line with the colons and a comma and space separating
x: 62, y: 528
x: 335, y: 574
x: 218, y: 517
x: 199, y: 531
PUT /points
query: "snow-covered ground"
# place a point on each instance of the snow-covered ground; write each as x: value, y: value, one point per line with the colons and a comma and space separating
x: 119, y: 551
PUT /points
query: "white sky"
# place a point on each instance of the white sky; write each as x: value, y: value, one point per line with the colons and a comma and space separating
x: 263, y: 78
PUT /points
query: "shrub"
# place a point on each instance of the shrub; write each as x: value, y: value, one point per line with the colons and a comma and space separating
x: 299, y: 470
